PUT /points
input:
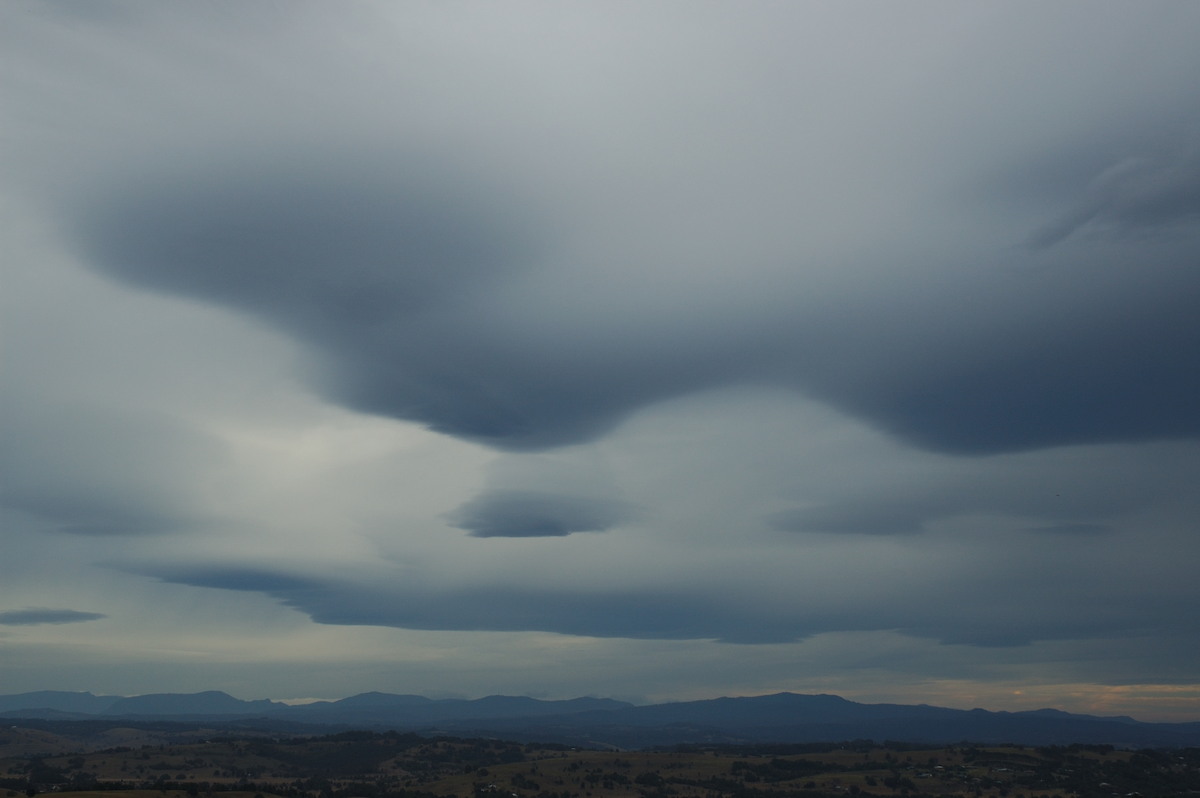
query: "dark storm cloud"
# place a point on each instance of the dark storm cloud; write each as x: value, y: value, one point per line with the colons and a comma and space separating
x: 1098, y: 368
x: 533, y: 514
x: 384, y: 271
x: 417, y: 291
x: 333, y: 249
x: 552, y: 260
x: 34, y: 616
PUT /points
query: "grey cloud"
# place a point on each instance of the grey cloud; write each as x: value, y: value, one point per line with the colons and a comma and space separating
x: 333, y: 249
x: 246, y: 579
x: 91, y: 470
x: 638, y: 613
x: 75, y: 515
x: 1022, y: 598
x: 384, y: 270
x: 418, y: 295
x: 864, y: 517
x: 1055, y: 613
x: 533, y: 514
x: 532, y: 291
x: 1131, y: 196
x: 872, y: 516
x: 38, y: 615
x: 1131, y: 378
x: 1079, y: 490
x: 1072, y: 529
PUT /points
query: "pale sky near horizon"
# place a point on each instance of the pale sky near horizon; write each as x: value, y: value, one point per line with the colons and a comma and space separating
x: 651, y: 351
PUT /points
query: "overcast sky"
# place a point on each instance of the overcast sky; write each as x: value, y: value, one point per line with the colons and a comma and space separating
x: 655, y: 351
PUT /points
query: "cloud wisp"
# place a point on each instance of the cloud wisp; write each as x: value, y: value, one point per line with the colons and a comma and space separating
x: 33, y: 616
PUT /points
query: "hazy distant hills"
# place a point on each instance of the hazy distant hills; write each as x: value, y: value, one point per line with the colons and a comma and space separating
x: 784, y: 717
x: 56, y: 704
x: 367, y: 709
x: 412, y: 710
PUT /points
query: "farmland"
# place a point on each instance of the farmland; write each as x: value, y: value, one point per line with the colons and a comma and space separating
x: 396, y: 765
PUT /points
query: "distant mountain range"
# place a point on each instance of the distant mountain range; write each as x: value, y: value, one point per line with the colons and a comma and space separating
x: 779, y: 718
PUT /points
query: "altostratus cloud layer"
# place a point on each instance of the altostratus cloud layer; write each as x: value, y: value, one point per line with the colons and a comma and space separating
x: 864, y: 334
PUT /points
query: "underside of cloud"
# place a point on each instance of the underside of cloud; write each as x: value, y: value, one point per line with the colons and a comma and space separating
x: 519, y: 514
x: 670, y: 611
x: 1133, y: 195
x: 34, y: 616
x: 424, y: 297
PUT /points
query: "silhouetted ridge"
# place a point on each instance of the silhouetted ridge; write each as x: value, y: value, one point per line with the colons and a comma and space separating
x: 778, y: 718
